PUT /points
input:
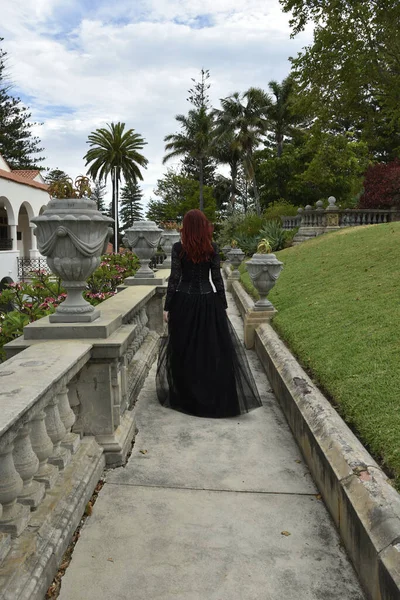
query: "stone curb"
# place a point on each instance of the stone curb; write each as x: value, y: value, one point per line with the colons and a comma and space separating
x: 363, y: 504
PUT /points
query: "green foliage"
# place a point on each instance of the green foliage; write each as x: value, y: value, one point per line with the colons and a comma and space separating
x: 273, y: 232
x: 98, y: 193
x: 279, y: 208
x: 350, y: 76
x: 111, y: 272
x: 66, y: 188
x: 17, y: 144
x: 131, y: 208
x: 177, y: 195
x: 115, y: 150
x: 247, y: 243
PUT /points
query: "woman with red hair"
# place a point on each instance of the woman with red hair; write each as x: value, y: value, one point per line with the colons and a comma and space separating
x: 202, y: 368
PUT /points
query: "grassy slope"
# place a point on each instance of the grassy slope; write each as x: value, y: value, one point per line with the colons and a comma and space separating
x: 338, y: 299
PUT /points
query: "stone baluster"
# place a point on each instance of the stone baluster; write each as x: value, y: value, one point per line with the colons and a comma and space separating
x: 43, y: 448
x: 57, y: 432
x: 27, y: 464
x: 70, y: 441
x: 15, y: 515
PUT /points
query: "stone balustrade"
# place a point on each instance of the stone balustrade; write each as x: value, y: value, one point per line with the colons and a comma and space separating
x: 67, y: 392
x: 315, y: 221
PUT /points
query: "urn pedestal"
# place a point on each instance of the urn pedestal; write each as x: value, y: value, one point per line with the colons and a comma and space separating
x: 73, y: 235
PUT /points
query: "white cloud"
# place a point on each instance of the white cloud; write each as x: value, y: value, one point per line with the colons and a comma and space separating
x: 133, y: 61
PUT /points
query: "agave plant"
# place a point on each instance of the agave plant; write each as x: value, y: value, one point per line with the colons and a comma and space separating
x: 273, y: 232
x: 264, y: 247
x: 67, y: 188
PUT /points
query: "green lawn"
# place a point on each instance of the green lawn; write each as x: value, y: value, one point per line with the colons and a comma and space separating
x: 338, y: 299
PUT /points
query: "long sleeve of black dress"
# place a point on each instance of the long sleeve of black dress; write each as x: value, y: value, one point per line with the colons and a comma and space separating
x: 174, y: 278
x: 217, y: 277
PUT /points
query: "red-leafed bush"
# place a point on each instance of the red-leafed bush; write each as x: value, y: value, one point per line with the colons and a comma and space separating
x: 381, y: 186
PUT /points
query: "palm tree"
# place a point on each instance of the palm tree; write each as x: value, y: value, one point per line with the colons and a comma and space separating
x: 281, y: 116
x: 244, y: 119
x: 227, y: 151
x: 115, y: 152
x: 194, y: 140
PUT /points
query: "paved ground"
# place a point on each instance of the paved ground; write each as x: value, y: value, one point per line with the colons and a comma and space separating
x: 210, y: 510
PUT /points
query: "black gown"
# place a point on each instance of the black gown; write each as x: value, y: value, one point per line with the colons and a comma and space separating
x: 202, y: 367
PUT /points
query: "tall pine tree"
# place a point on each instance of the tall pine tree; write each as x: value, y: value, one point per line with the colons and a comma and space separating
x: 18, y: 146
x: 98, y: 193
x: 131, y: 204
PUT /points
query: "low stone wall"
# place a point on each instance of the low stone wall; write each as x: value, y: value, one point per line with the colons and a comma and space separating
x: 363, y: 504
x: 67, y: 395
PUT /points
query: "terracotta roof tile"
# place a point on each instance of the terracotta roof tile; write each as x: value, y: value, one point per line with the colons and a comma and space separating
x: 13, y: 176
x: 27, y: 173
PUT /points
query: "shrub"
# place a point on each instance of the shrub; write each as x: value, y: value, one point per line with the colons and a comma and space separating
x: 381, y: 186
x: 248, y: 243
x: 273, y: 232
x: 280, y: 208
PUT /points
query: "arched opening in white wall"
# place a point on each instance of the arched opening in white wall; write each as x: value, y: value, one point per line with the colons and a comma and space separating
x: 8, y: 233
x: 25, y: 238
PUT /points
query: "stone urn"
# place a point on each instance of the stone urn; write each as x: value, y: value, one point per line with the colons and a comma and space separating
x: 264, y: 270
x: 73, y: 235
x: 168, y: 238
x: 236, y: 256
x: 144, y: 238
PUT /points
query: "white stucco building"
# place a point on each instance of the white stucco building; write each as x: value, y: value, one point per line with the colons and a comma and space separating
x: 23, y: 194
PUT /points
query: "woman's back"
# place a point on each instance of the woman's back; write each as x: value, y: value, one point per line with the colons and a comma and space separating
x: 194, y: 278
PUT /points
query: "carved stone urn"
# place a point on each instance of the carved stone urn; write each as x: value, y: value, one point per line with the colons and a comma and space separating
x: 264, y: 270
x: 168, y: 238
x: 235, y: 256
x: 73, y: 235
x: 144, y: 238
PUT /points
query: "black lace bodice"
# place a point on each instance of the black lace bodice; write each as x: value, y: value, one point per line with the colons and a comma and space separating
x: 194, y: 278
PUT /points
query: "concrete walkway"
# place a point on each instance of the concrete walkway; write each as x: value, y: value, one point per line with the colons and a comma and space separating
x: 210, y: 510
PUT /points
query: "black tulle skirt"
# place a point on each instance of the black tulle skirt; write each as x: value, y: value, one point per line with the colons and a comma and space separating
x: 202, y: 366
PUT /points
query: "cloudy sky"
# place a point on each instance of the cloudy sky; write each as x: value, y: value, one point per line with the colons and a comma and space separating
x: 79, y: 64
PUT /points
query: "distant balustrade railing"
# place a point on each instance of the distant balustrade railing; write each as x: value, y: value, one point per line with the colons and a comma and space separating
x: 6, y: 244
x: 333, y: 216
x: 291, y: 222
x: 28, y: 266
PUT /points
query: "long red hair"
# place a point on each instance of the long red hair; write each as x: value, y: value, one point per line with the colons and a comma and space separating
x: 196, y: 236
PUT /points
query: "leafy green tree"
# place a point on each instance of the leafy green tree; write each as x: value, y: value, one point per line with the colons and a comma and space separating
x: 176, y: 195
x: 18, y: 146
x: 115, y: 152
x: 52, y: 175
x: 131, y: 204
x: 350, y: 76
x: 195, y: 139
x: 282, y: 116
x: 243, y: 119
x: 98, y: 193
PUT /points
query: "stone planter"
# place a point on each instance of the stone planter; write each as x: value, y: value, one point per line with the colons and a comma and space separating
x: 236, y: 256
x: 73, y: 235
x: 264, y: 270
x: 168, y: 238
x: 144, y: 237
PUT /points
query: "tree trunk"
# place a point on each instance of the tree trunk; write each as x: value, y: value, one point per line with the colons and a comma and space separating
x: 233, y: 185
x: 201, y: 184
x: 117, y: 207
x: 256, y: 196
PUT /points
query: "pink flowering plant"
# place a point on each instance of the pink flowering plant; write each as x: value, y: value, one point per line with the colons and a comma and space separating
x: 25, y: 302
